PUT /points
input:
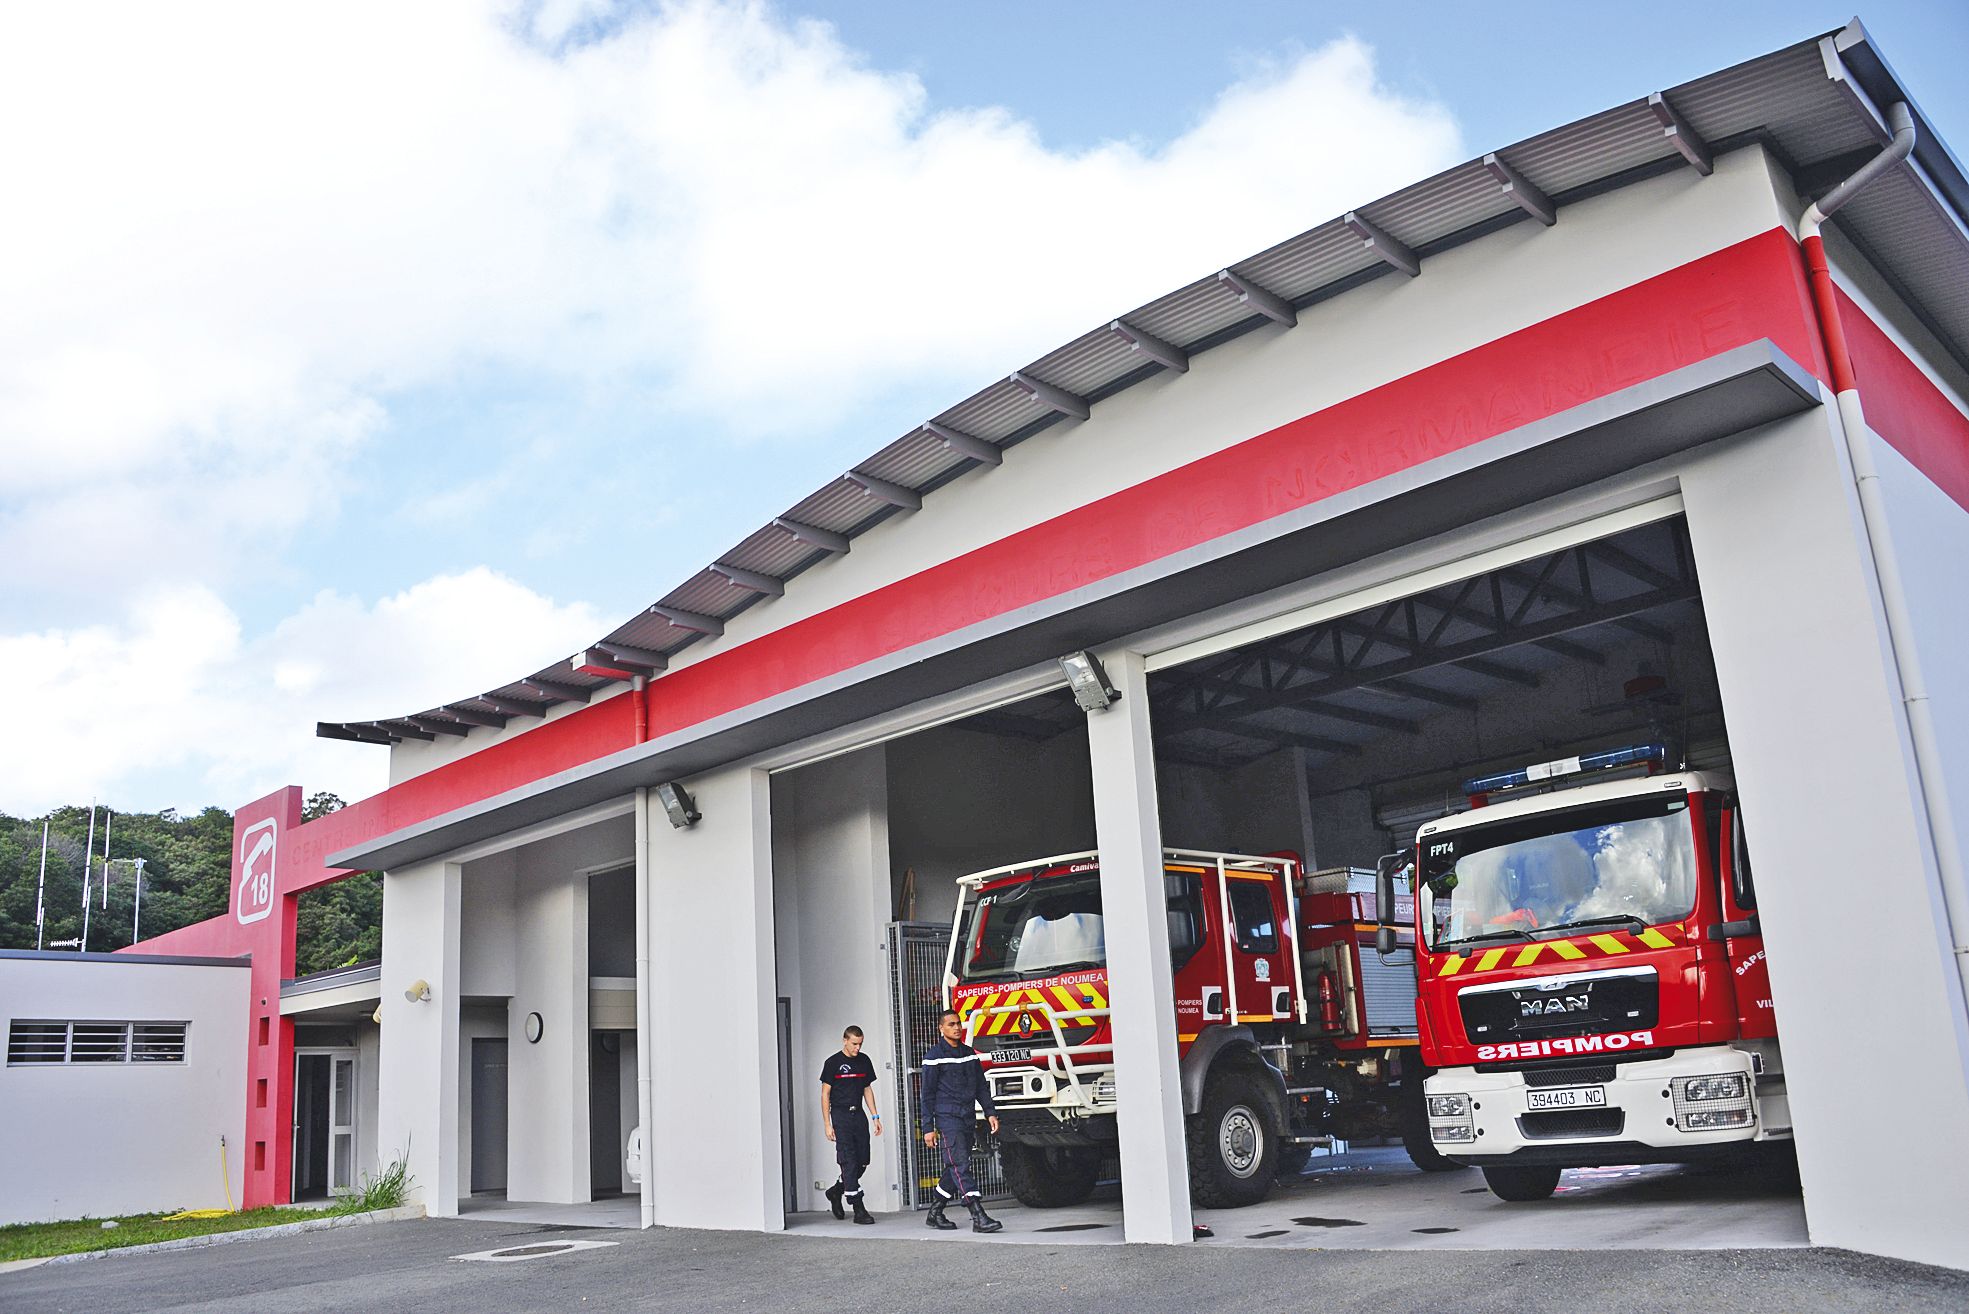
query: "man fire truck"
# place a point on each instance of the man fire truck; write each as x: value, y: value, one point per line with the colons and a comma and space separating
x: 1288, y: 1033
x: 1593, y: 988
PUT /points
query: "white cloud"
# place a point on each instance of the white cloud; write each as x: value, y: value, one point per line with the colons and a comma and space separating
x: 174, y: 691
x: 247, y: 226
x: 240, y: 236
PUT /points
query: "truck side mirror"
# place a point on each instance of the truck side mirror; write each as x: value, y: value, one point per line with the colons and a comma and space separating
x: 1384, y: 901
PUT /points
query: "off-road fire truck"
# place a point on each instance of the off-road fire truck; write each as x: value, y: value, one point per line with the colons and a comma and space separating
x: 1288, y: 1032
x: 1593, y: 987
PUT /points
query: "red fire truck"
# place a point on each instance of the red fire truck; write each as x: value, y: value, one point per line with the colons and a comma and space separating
x: 1593, y: 987
x: 1288, y: 1032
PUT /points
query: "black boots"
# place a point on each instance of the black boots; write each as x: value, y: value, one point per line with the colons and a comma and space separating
x: 834, y: 1200
x: 980, y: 1220
x: 936, y: 1219
x: 861, y: 1215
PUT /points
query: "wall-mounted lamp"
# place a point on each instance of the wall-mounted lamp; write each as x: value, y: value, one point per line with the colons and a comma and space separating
x: 678, y: 805
x: 419, y: 991
x: 1088, y: 682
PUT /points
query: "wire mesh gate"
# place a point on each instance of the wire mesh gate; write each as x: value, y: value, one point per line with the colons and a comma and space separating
x: 916, y: 963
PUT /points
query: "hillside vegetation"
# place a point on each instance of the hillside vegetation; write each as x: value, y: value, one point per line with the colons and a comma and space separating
x: 187, y: 878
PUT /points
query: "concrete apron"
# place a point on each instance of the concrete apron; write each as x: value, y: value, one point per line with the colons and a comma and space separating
x: 1372, y: 1199
x: 620, y: 1211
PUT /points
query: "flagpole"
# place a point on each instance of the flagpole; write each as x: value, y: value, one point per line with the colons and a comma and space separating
x: 88, y: 869
x: 137, y: 910
x: 108, y: 813
x: 41, y: 889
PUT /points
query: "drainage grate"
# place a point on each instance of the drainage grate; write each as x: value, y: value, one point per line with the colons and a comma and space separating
x: 538, y: 1250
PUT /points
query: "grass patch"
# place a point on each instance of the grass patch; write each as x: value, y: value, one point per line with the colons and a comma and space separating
x: 385, y: 1190
x: 40, y: 1240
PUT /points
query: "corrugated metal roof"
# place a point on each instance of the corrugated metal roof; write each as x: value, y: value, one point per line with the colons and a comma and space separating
x: 1790, y: 99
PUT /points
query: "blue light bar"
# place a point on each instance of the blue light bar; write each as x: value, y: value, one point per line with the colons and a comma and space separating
x: 1567, y: 766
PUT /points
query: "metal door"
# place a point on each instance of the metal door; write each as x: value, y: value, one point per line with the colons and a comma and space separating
x: 489, y: 1114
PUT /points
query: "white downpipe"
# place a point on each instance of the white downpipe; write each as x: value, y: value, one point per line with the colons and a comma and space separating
x: 1851, y: 420
x: 645, y: 1055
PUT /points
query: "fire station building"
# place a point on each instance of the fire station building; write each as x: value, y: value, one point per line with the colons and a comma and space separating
x: 1595, y: 439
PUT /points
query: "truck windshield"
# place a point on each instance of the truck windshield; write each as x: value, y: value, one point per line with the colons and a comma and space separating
x: 1034, y: 928
x: 1625, y: 861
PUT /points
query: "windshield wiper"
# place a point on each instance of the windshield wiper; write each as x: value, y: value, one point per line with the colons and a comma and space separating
x: 1627, y: 921
x: 1508, y: 933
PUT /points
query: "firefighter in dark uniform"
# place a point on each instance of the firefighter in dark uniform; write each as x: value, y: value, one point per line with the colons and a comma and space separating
x: 847, y: 1084
x: 954, y: 1088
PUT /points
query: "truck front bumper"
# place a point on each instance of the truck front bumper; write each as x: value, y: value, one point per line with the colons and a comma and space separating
x: 1686, y: 1105
x: 1038, y: 1106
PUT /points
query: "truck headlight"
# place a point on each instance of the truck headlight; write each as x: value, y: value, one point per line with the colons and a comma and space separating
x: 1712, y: 1119
x: 1104, y: 1090
x: 1451, y: 1131
x: 1722, y: 1086
x: 1449, y: 1106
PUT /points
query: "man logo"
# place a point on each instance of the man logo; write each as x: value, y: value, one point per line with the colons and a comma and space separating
x: 252, y: 898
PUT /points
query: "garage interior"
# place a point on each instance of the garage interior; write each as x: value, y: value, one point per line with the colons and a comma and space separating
x: 1334, y: 737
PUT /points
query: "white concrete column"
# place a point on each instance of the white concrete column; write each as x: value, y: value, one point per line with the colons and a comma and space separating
x: 714, y: 1150
x: 417, y: 1096
x: 1128, y: 824
x: 1870, y: 1021
x: 547, y: 1111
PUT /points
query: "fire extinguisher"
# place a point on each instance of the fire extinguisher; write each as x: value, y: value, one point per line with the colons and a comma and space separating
x: 1329, y: 997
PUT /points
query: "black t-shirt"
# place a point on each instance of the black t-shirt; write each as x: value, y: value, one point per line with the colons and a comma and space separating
x: 847, y: 1078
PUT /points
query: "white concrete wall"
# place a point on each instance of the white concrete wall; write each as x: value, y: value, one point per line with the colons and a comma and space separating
x: 93, y: 1140
x: 547, y: 1095
x: 488, y: 928
x: 832, y: 901
x: 418, y: 1100
x: 714, y: 1150
x: 1382, y: 331
x: 1870, y: 1020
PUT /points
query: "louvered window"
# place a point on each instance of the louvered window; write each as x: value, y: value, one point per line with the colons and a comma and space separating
x: 35, y: 1042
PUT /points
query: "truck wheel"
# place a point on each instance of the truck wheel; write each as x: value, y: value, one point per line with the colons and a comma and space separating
x: 1522, y: 1183
x: 1233, y: 1144
x: 1422, y: 1152
x: 1049, y: 1178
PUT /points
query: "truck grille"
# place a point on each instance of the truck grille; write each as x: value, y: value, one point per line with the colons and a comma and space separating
x: 1571, y: 1122
x: 1547, y: 1007
x: 1597, y: 1075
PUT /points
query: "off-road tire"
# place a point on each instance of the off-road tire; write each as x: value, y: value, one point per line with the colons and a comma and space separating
x: 1043, y: 1177
x: 1422, y: 1152
x: 1522, y: 1184
x: 1233, y: 1143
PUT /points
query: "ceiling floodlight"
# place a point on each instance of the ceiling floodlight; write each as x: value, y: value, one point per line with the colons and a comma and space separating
x: 1088, y: 682
x: 678, y: 804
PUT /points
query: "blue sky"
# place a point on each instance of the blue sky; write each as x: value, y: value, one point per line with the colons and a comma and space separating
x: 354, y: 364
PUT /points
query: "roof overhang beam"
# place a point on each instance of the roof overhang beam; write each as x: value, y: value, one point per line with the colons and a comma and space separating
x: 907, y: 499
x: 513, y: 706
x: 1386, y: 247
x: 1052, y: 396
x: 558, y: 692
x: 1164, y: 353
x: 1267, y: 303
x: 695, y: 621
x: 1681, y: 136
x: 472, y: 716
x: 356, y: 734
x: 769, y: 585
x: 404, y: 728
x: 964, y: 444
x: 1521, y: 191
x: 439, y: 725
x: 812, y: 535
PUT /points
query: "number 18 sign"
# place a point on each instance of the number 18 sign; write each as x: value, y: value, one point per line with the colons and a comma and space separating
x: 252, y: 897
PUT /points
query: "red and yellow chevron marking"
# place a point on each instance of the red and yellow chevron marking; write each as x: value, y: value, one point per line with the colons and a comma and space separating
x: 1069, y: 998
x: 1600, y: 945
